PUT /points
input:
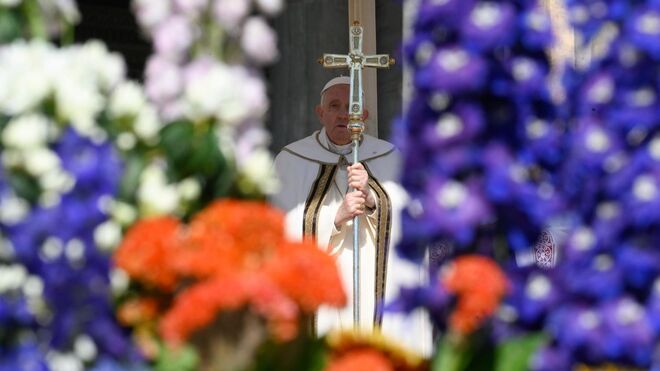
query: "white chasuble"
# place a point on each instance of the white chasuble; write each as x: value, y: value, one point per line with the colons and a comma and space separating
x: 313, y: 184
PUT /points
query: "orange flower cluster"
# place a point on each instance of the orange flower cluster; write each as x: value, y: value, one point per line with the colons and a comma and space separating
x: 146, y: 251
x: 479, y: 284
x: 357, y: 351
x: 360, y: 360
x: 232, y: 255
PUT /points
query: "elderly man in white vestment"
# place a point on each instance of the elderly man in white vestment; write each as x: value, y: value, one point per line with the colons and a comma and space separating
x: 316, y: 175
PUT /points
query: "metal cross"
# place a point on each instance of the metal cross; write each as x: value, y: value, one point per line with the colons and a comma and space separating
x: 356, y: 61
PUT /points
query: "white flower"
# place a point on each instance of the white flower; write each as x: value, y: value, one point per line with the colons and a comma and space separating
x: 270, y: 7
x: 14, y: 209
x: 23, y: 75
x: 78, y: 104
x: 7, y: 249
x: 126, y: 141
x: 126, y: 100
x: 231, y: 94
x: 64, y: 361
x: 41, y: 160
x: 85, y: 348
x: 189, y: 189
x: 26, y: 131
x: 204, y: 94
x: 107, y: 235
x: 259, y: 41
x: 119, y: 281
x: 49, y: 199
x: 258, y: 169
x: 155, y: 196
x: 94, y: 60
x: 10, y: 3
x: 150, y: 13
x: 147, y: 125
x: 75, y: 250
x: 68, y: 9
x: 12, y: 277
x: 57, y: 181
x: 33, y: 286
x: 124, y: 213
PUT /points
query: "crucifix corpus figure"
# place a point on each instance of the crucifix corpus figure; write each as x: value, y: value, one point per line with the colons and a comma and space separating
x: 340, y: 187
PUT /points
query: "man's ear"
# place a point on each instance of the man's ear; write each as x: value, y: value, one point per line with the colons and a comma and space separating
x: 319, y: 111
x: 365, y: 114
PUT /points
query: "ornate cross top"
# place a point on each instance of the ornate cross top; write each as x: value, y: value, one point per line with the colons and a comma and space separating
x: 356, y: 61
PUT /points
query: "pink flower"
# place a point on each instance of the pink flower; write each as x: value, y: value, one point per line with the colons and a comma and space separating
x: 198, y: 68
x: 270, y: 7
x: 191, y: 8
x: 259, y: 41
x: 163, y: 79
x: 173, y: 37
x: 230, y: 13
x: 150, y: 13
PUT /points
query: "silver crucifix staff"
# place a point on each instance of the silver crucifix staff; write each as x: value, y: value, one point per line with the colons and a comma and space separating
x: 356, y: 61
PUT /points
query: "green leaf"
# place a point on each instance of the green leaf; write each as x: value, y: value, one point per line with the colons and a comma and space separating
x: 514, y: 355
x: 10, y: 25
x: 134, y: 164
x: 206, y: 158
x: 25, y: 186
x: 474, y: 352
x: 183, y: 359
x: 176, y: 140
x: 303, y: 353
x: 452, y: 355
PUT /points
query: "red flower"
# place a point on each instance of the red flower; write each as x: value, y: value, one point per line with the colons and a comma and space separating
x: 146, y: 251
x: 308, y: 275
x: 364, y: 359
x: 199, y: 305
x: 138, y: 311
x: 479, y: 284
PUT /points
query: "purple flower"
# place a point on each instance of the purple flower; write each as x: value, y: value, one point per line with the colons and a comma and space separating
x: 643, y: 199
x: 640, y: 264
x: 550, y: 359
x: 535, y: 28
x: 489, y: 25
x: 597, y: 278
x: 463, y: 123
x: 456, y: 209
x: 596, y: 146
x: 579, y: 330
x: 437, y: 14
x: 629, y: 335
x: 533, y: 296
x: 529, y: 77
x: 597, y: 91
x: 452, y: 69
x: 643, y: 30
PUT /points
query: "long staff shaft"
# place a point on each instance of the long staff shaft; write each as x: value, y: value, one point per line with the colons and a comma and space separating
x: 356, y: 254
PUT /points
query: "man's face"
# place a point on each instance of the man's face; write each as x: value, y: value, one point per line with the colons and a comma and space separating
x: 333, y: 113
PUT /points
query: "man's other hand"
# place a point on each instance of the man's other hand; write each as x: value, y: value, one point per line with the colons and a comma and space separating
x: 358, y: 179
x: 353, y: 205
